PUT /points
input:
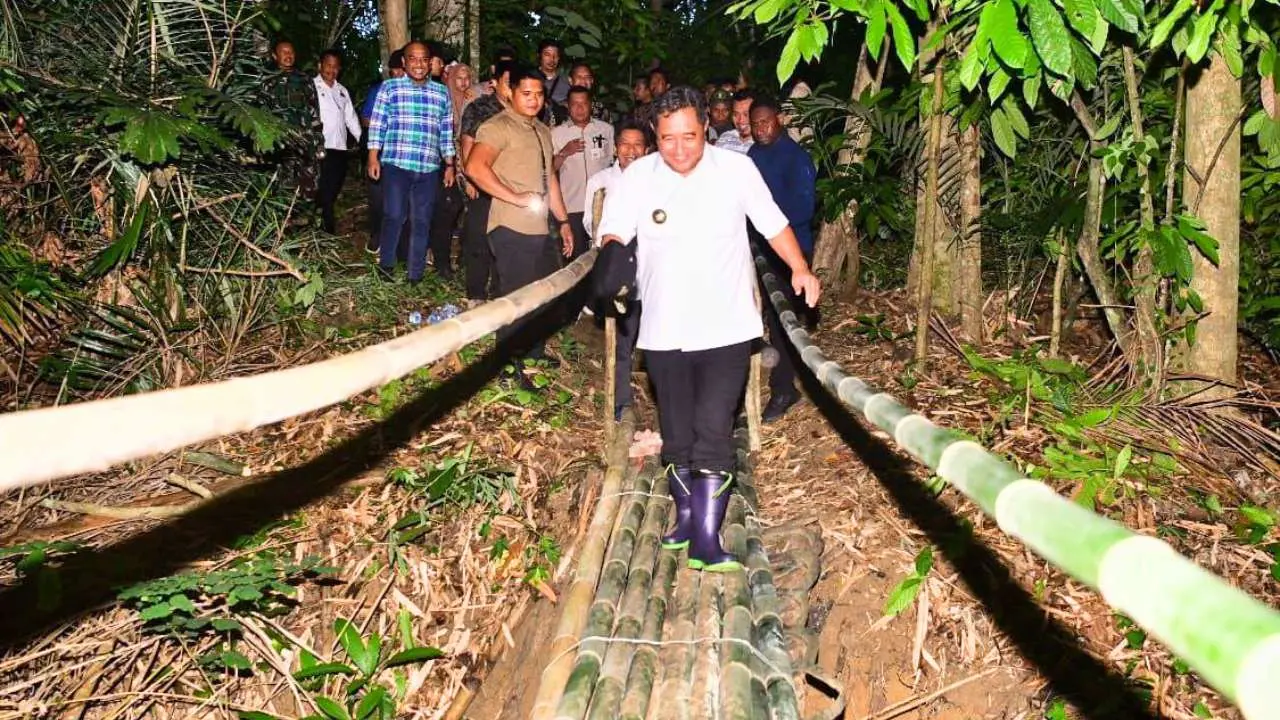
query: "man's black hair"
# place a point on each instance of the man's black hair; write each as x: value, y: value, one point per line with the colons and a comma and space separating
x: 549, y: 43
x: 578, y: 64
x: 282, y: 41
x: 506, y: 52
x: 521, y: 73
x: 503, y: 67
x: 396, y: 61
x: 744, y: 94
x: 678, y: 98
x: 331, y: 53
x: 435, y: 48
x: 580, y: 89
x: 659, y: 71
x: 630, y: 123
x: 767, y: 103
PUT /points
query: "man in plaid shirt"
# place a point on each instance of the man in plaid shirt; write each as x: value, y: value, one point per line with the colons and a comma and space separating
x: 410, y: 140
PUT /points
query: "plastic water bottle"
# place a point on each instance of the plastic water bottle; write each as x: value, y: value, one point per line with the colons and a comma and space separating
x: 443, y: 313
x: 415, y: 318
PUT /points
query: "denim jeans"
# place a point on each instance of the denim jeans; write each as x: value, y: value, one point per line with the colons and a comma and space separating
x: 406, y: 194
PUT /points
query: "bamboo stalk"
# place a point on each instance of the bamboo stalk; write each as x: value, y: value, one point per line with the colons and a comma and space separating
x: 607, y: 698
x: 677, y: 660
x: 644, y: 664
x: 704, y: 686
x: 610, y: 375
x: 577, y: 599
x: 34, y: 452
x: 600, y: 619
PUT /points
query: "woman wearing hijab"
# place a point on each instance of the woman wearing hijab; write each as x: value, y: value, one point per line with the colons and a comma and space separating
x: 457, y: 77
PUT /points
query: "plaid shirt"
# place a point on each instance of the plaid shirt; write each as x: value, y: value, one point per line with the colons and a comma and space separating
x: 412, y: 125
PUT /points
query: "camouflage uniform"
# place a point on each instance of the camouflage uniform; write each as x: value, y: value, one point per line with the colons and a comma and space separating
x: 293, y: 96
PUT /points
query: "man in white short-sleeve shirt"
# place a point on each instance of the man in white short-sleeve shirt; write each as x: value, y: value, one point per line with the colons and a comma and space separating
x: 687, y: 206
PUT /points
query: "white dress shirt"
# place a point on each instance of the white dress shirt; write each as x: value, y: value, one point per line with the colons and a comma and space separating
x: 694, y: 268
x: 607, y: 179
x: 733, y: 141
x: 596, y: 155
x: 337, y: 114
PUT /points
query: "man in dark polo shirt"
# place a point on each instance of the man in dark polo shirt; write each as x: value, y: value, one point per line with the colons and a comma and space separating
x: 512, y: 161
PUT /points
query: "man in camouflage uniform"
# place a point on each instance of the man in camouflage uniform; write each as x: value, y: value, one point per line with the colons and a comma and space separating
x: 292, y: 95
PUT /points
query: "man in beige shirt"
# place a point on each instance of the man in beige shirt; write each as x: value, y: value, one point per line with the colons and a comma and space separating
x: 512, y: 162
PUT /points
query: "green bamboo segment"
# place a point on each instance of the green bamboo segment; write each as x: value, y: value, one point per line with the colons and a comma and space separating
x: 738, y: 700
x: 576, y: 601
x: 644, y: 664
x: 677, y: 659
x: 607, y: 699
x: 783, y: 703
x: 1230, y: 638
x: 600, y: 619
x: 704, y: 689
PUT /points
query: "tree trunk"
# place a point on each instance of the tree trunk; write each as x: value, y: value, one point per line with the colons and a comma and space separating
x: 473, y: 37
x: 1211, y: 190
x: 445, y: 22
x: 968, y: 266
x: 932, y: 216
x: 1150, y: 348
x: 942, y: 202
x: 395, y: 20
x: 838, y: 255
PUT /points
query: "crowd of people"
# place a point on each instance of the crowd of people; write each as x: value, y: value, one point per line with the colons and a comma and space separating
x: 530, y: 166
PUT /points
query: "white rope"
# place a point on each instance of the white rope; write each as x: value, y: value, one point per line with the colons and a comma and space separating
x: 709, y: 640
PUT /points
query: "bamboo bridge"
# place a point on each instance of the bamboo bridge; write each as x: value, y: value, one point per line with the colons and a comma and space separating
x: 639, y: 635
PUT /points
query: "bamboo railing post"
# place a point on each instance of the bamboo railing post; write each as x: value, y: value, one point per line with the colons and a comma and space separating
x: 577, y: 600
x: 610, y: 337
x: 752, y: 401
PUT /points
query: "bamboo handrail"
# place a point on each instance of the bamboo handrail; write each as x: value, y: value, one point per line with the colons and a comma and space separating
x: 1229, y: 637
x: 37, y: 446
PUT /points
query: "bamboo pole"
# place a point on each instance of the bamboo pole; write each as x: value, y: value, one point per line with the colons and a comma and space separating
x: 644, y: 664
x: 33, y: 445
x: 672, y: 693
x: 577, y: 600
x: 610, y: 338
x: 751, y: 403
x: 704, y: 684
x: 607, y: 699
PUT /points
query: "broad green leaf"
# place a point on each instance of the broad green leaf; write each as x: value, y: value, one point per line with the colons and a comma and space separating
x: 790, y: 56
x: 1084, y: 66
x: 1082, y: 16
x: 1108, y: 127
x: 1257, y: 515
x: 1170, y: 21
x: 1016, y: 119
x: 1098, y: 40
x: 1194, y: 230
x: 152, y: 138
x: 1093, y: 417
x: 225, y: 625
x: 369, y: 705
x: 183, y: 603
x: 924, y: 561
x: 1031, y: 90
x: 1201, y: 34
x: 876, y: 24
x: 1121, y: 14
x: 904, y: 41
x: 159, y: 611
x: 1122, y: 461
x: 767, y: 11
x: 349, y: 638
x: 997, y: 84
x: 971, y: 65
x: 902, y: 596
x: 1002, y: 133
x: 1228, y: 44
x: 414, y: 655
x: 331, y: 708
x: 234, y: 660
x: 255, y: 715
x: 1049, y: 34
x: 324, y: 669
x: 1000, y: 21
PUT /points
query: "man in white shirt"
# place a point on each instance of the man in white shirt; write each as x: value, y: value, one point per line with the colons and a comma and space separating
x: 740, y: 141
x: 687, y: 207
x: 338, y: 115
x: 633, y: 141
x: 583, y: 147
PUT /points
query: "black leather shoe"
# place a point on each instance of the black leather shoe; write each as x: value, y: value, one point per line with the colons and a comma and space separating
x: 779, y: 405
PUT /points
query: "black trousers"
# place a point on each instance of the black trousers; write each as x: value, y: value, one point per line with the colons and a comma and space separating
x: 628, y: 326
x: 444, y: 221
x: 520, y: 259
x: 782, y: 380
x: 477, y: 257
x: 333, y: 171
x: 698, y: 394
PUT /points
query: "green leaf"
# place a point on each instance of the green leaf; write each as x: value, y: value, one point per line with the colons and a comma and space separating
x: 1050, y: 37
x: 1002, y: 133
x: 414, y: 655
x: 1193, y: 229
x: 349, y: 638
x: 790, y: 56
x: 1257, y: 515
x: 1161, y: 33
x: 1201, y: 34
x: 1202, y: 711
x: 181, y: 602
x: 159, y: 611
x: 902, y: 596
x: 1122, y: 461
x: 924, y: 561
x: 768, y: 10
x: 332, y: 668
x: 1031, y: 90
x: 255, y: 715
x: 1016, y: 119
x: 971, y: 65
x: 1082, y: 16
x: 246, y: 593
x: 1122, y: 14
x: 904, y: 41
x: 996, y: 84
x: 331, y: 708
x: 151, y: 138
x: 369, y: 705
x: 1000, y: 20
x: 235, y: 660
x: 876, y: 24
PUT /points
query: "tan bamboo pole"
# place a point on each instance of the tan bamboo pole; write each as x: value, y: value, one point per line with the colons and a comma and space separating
x: 704, y: 687
x: 606, y: 701
x: 752, y: 401
x: 578, y: 689
x: 644, y: 664
x: 108, y: 432
x: 672, y: 693
x: 577, y: 600
x: 610, y: 338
